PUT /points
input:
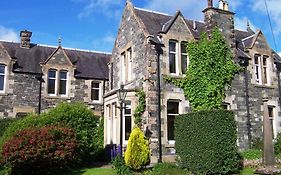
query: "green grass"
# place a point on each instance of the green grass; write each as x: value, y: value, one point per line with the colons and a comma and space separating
x: 247, y: 171
x: 92, y: 171
x: 252, y: 154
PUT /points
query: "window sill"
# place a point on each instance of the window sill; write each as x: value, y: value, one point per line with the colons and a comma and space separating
x: 4, y: 93
x: 264, y: 86
x: 176, y: 75
x: 95, y: 103
x: 170, y: 144
x: 58, y: 97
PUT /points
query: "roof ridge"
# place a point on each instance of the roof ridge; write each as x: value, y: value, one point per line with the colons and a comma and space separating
x: 151, y: 11
x: 66, y: 48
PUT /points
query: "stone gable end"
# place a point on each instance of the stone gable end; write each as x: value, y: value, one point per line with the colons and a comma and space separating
x: 179, y: 27
x: 59, y: 58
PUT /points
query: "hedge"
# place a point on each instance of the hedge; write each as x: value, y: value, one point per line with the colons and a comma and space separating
x: 206, y: 142
x: 4, y: 123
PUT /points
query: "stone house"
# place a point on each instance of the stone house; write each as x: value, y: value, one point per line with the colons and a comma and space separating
x: 34, y: 77
x: 145, y: 36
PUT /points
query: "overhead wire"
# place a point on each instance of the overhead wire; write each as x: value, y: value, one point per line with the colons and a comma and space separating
x: 269, y: 19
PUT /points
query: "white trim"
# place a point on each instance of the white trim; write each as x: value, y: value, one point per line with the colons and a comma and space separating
x: 57, y: 82
x: 99, y: 91
x: 151, y: 11
x: 5, y: 76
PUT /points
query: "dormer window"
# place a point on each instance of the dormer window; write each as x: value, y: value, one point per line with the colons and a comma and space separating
x: 2, y: 77
x: 261, y: 69
x: 57, y: 82
x: 178, y: 57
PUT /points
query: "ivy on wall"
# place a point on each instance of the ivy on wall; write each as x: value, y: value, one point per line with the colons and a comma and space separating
x: 211, y: 68
x: 140, y: 108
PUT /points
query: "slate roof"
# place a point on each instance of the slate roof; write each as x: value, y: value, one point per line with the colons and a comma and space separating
x: 92, y: 65
x: 156, y: 22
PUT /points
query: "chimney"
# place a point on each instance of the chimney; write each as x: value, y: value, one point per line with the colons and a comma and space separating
x: 222, y: 18
x: 25, y: 39
x: 210, y: 3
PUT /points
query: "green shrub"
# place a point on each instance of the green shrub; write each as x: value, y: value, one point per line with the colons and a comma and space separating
x: 252, y: 154
x: 206, y: 142
x: 166, y: 169
x: 137, y: 153
x: 119, y: 166
x: 40, y: 150
x: 4, y: 123
x: 257, y: 144
x: 277, y: 145
x: 74, y: 115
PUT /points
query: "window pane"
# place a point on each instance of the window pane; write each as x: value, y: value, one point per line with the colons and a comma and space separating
x: 2, y: 69
x: 264, y: 59
x: 63, y: 75
x: 128, y: 127
x: 51, y: 86
x: 95, y: 85
x: 95, y: 94
x: 52, y: 74
x: 62, y: 86
x: 183, y: 47
x: 2, y: 77
x: 171, y: 127
x: 172, y: 110
x: 265, y: 75
x: 172, y: 46
x: 173, y: 107
x: 183, y: 63
x: 172, y: 62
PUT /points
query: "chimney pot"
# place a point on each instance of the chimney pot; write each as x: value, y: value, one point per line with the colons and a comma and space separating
x: 210, y: 3
x: 225, y: 6
x: 25, y: 38
x: 221, y: 4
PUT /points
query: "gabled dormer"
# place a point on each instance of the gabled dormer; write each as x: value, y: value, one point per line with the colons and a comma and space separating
x: 58, y: 72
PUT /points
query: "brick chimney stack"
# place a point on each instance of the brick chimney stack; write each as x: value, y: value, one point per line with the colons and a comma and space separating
x: 25, y: 39
x: 210, y: 3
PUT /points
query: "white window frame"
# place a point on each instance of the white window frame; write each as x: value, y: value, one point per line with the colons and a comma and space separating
x: 99, y: 91
x: 178, y: 57
x: 181, y: 57
x: 168, y: 114
x: 57, y: 82
x: 66, y: 83
x: 124, y: 120
x: 126, y: 65
x: 55, y: 93
x: 261, y: 77
x: 4, y: 77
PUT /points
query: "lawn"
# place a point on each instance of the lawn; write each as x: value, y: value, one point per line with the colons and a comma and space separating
x: 109, y: 171
x: 92, y: 171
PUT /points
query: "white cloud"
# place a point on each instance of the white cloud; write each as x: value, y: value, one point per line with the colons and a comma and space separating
x: 104, y: 43
x: 105, y: 7
x: 192, y: 9
x: 241, y: 23
x: 274, y: 11
x: 8, y: 34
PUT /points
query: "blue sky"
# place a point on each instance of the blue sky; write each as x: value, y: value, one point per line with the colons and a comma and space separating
x: 93, y: 24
